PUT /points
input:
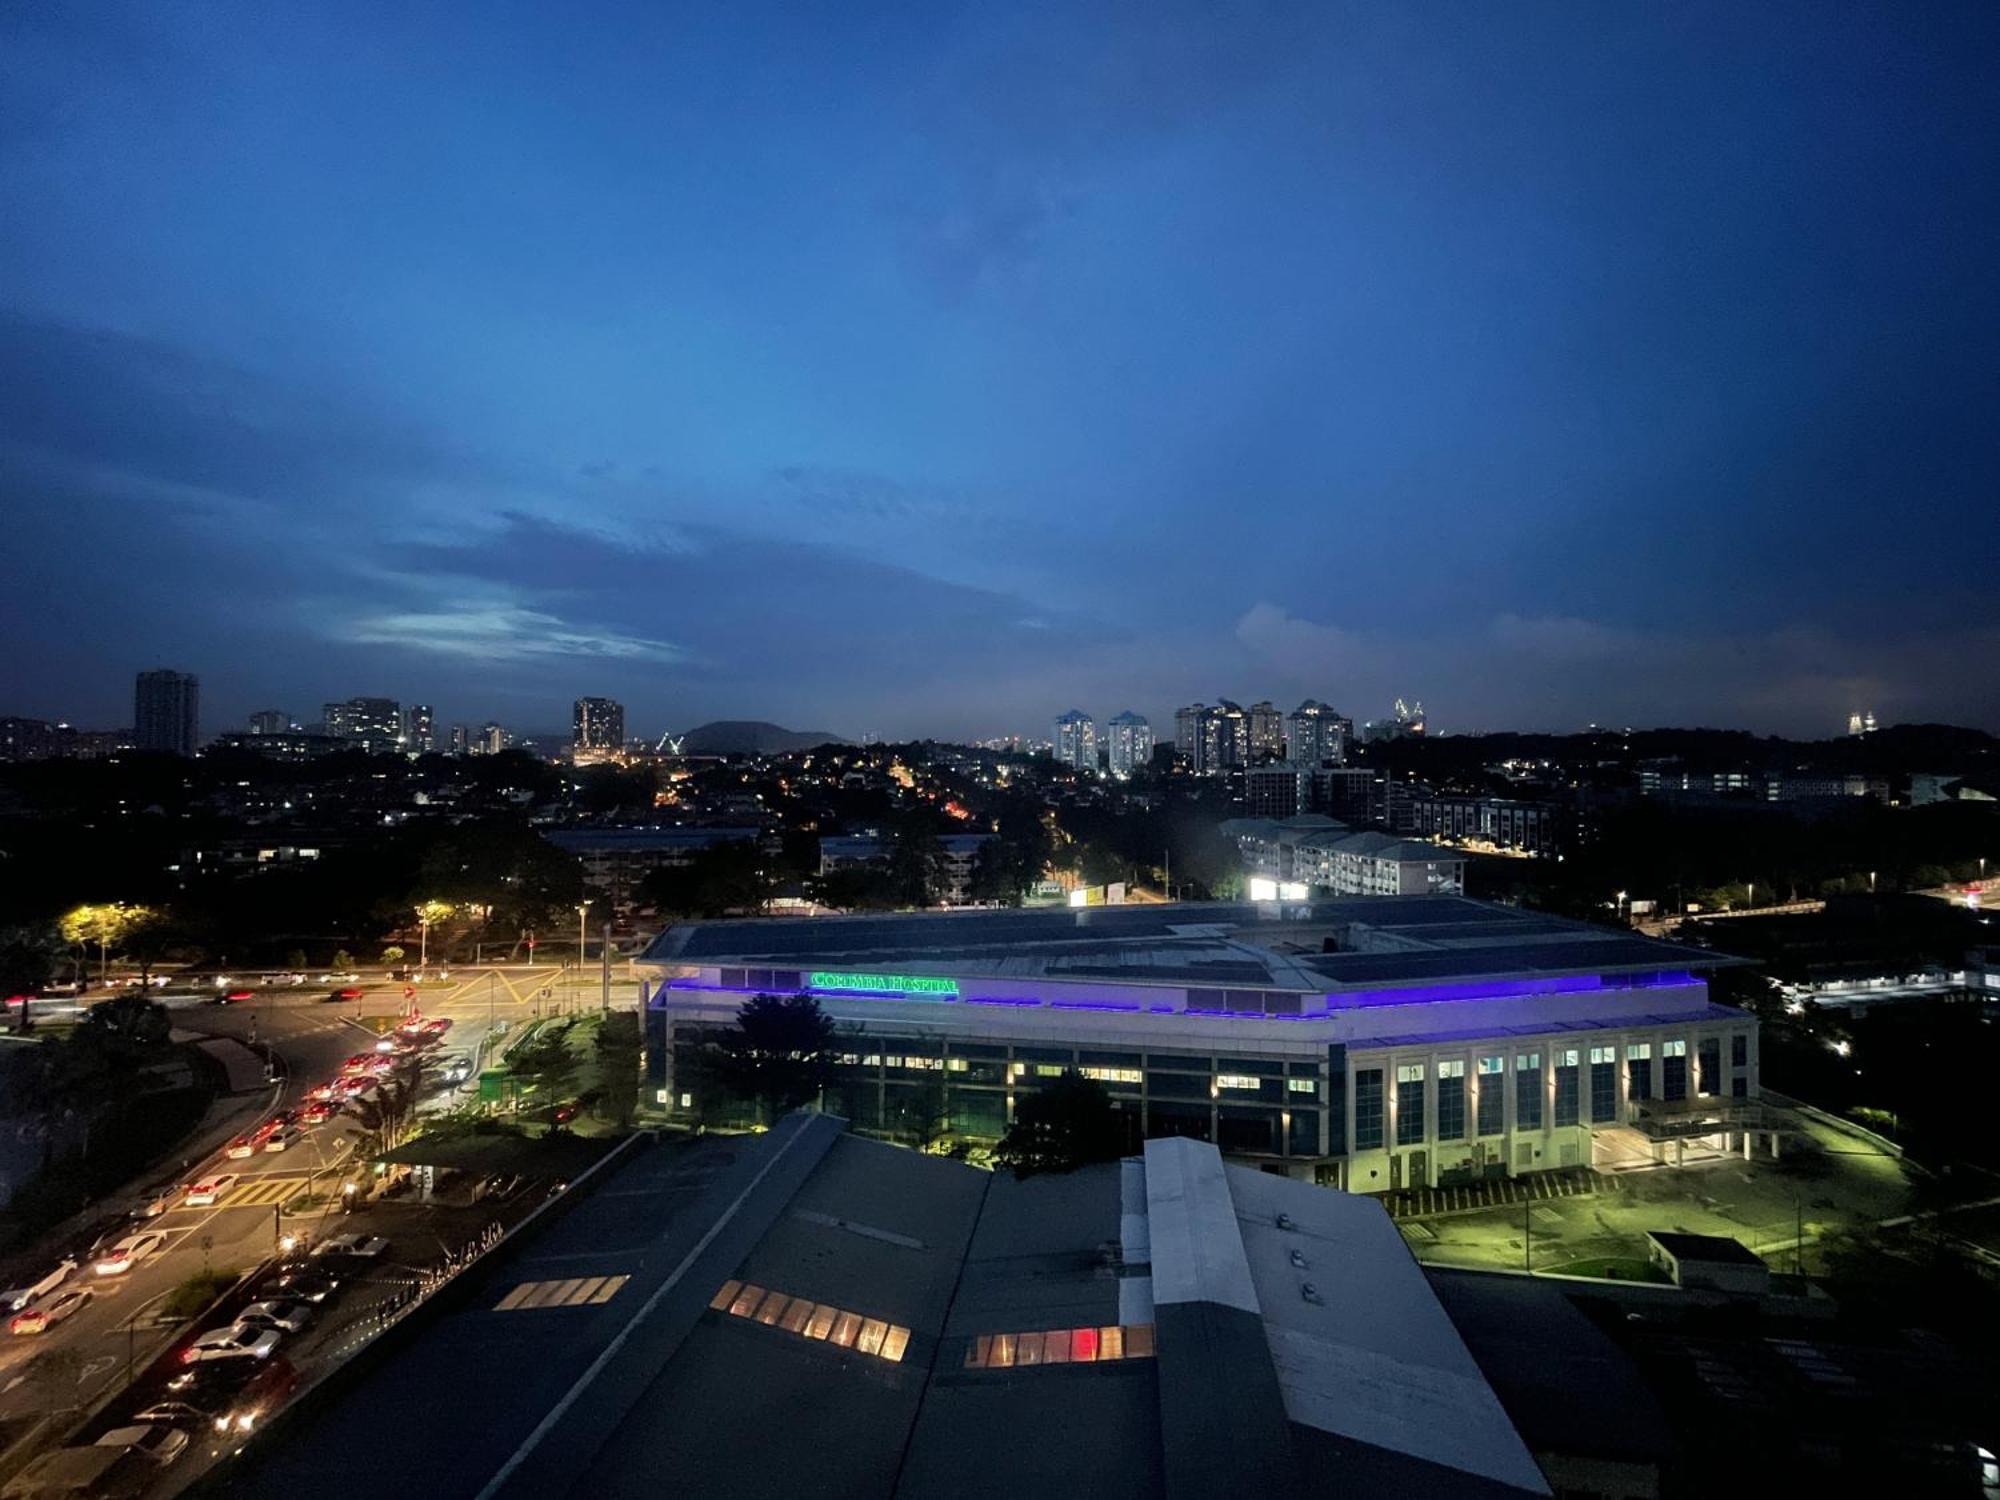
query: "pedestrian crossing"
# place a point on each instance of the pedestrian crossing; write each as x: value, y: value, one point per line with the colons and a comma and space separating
x: 257, y: 1192
x: 580, y: 1291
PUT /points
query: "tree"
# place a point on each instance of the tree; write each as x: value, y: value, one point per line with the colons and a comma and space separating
x: 28, y: 955
x: 916, y: 864
x: 342, y: 959
x: 129, y: 1022
x: 108, y: 925
x: 618, y: 1056
x: 779, y: 1054
x: 296, y: 959
x: 393, y: 954
x: 725, y: 878
x: 1066, y: 1124
x: 548, y: 1064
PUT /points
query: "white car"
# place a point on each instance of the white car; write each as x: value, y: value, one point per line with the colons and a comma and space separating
x: 237, y: 1341
x: 161, y: 1444
x: 364, y: 1246
x: 42, y: 1318
x: 128, y: 1252
x: 281, y: 1138
x: 286, y: 1317
x: 209, y: 1189
x: 21, y: 1296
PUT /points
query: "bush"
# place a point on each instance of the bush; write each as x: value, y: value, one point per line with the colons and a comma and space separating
x: 194, y: 1294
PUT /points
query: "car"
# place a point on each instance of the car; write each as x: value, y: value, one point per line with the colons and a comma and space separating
x: 286, y: 1317
x: 21, y: 1296
x: 281, y: 1138
x: 273, y: 1380
x: 128, y: 1252
x: 234, y: 1342
x: 291, y: 979
x: 164, y: 1201
x: 308, y: 1283
x: 237, y: 997
x: 361, y: 1062
x: 379, y: 1066
x: 348, y: 992
x: 457, y: 1067
x: 359, y: 1088
x: 174, y: 1411
x: 437, y: 1027
x: 242, y: 1146
x: 55, y: 1310
x: 210, y: 1189
x: 360, y: 1246
x: 159, y: 1443
x: 320, y: 1092
x: 316, y: 1113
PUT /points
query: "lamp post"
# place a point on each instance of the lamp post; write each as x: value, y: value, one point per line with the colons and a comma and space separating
x: 1871, y: 882
x: 582, y: 939
x: 423, y: 941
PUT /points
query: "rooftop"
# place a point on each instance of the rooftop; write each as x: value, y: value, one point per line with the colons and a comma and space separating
x: 1717, y: 1249
x: 1351, y: 946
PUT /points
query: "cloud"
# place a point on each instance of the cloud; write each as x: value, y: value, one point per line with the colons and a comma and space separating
x: 501, y: 634
x: 1300, y: 647
x: 1562, y: 638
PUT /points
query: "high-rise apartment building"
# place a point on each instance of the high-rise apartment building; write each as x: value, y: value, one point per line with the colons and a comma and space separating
x: 166, y: 712
x: 1229, y: 736
x: 1130, y: 745
x: 1266, y: 733
x: 418, y: 729
x: 461, y: 740
x: 1076, y: 740
x: 1315, y: 735
x: 1190, y: 733
x: 270, y: 721
x: 598, y: 724
x: 377, y: 720
x: 490, y: 740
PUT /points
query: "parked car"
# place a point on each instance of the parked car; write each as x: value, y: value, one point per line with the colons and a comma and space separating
x: 21, y: 1296
x: 306, y: 1283
x: 237, y: 1341
x: 209, y: 1189
x: 361, y: 1246
x: 286, y: 1317
x: 41, y: 1319
x: 159, y: 1443
x: 128, y: 1252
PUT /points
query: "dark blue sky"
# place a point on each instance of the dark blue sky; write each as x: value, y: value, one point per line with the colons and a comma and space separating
x: 933, y: 369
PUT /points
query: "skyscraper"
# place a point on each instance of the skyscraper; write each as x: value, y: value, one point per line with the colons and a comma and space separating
x: 1190, y: 734
x: 1228, y: 735
x: 1076, y: 740
x: 417, y: 729
x: 166, y: 712
x: 1267, y: 732
x: 1315, y: 735
x: 598, y: 724
x: 1131, y: 743
x: 377, y: 720
x: 270, y: 721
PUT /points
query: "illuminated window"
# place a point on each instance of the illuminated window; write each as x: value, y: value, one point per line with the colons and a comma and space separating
x: 1059, y: 1346
x: 1238, y: 1081
x: 1113, y: 1075
x: 801, y: 1316
x: 1302, y: 1085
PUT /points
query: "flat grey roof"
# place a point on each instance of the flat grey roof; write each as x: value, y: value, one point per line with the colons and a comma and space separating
x: 1382, y: 941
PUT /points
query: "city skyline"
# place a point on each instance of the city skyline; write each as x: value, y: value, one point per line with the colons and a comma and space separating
x: 1558, y: 365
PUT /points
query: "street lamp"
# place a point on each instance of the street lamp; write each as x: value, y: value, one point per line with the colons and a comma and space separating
x: 1871, y: 882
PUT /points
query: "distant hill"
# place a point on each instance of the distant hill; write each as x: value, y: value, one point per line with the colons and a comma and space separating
x: 752, y: 736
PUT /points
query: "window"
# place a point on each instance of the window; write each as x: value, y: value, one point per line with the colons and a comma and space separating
x: 1674, y: 1070
x: 1451, y: 1100
x: 1603, y: 1085
x: 1566, y: 1087
x: 1639, y: 1070
x: 1112, y: 1075
x: 1709, y: 1077
x: 1739, y: 1051
x: 1367, y: 1109
x: 1410, y: 1104
x: 1059, y: 1346
x: 1492, y: 1106
x: 1528, y: 1091
x: 1302, y: 1085
x: 807, y: 1319
x: 1238, y: 1081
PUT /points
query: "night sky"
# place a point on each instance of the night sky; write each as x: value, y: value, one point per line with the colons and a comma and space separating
x: 934, y: 369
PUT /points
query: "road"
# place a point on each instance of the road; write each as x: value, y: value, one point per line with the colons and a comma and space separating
x: 76, y: 1363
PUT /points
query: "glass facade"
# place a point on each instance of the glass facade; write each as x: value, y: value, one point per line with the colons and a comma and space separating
x: 1492, y: 1106
x: 1368, y: 1109
x: 1709, y: 1077
x: 1528, y: 1091
x: 1639, y: 1071
x: 1673, y: 1070
x: 1451, y: 1100
x: 1410, y: 1104
x: 1603, y: 1085
x: 1566, y: 1087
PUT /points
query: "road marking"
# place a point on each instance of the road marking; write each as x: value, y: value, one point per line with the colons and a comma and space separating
x: 261, y: 1190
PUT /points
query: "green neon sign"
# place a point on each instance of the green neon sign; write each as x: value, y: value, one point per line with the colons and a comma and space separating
x: 899, y: 984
